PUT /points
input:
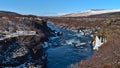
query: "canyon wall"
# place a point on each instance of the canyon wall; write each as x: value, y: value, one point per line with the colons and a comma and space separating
x: 23, y: 50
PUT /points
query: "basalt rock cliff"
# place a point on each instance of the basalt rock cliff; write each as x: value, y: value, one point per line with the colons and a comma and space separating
x: 19, y: 48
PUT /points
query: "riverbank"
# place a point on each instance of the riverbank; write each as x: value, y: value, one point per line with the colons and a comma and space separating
x: 108, y: 27
x: 22, y: 39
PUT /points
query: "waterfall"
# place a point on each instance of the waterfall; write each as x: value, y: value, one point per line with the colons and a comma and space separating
x: 98, y: 42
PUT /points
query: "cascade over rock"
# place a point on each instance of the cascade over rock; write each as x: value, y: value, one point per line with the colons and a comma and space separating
x: 98, y: 42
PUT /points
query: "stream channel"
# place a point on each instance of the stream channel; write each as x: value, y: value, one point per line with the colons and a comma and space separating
x: 70, y: 48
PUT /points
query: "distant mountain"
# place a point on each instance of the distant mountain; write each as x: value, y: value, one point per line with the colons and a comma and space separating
x: 8, y: 13
x: 91, y: 13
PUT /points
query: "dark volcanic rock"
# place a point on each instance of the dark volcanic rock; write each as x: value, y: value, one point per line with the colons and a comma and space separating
x: 23, y: 49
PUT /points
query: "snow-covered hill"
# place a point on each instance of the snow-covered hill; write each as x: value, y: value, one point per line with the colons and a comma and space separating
x: 91, y: 12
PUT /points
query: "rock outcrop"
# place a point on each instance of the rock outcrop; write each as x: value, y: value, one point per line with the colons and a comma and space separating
x: 23, y: 50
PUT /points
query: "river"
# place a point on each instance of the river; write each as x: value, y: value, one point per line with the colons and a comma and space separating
x: 62, y: 50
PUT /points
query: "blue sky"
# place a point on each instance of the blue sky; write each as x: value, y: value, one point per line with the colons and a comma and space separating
x: 54, y: 7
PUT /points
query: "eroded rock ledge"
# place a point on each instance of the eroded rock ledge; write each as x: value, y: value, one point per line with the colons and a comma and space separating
x: 23, y: 50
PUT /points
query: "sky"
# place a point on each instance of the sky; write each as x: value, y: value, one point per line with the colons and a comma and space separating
x: 55, y: 7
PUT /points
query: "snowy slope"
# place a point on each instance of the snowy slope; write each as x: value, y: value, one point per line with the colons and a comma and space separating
x: 91, y: 12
